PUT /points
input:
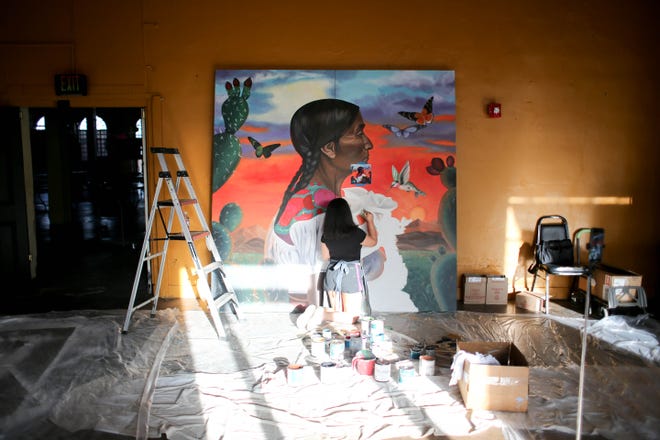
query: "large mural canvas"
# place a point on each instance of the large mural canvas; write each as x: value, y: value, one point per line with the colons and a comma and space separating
x: 286, y: 142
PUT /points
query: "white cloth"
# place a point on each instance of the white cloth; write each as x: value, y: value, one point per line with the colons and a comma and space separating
x: 475, y: 358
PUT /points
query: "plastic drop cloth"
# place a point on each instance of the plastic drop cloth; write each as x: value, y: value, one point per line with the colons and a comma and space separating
x: 240, y: 391
x: 65, y: 372
x: 171, y: 375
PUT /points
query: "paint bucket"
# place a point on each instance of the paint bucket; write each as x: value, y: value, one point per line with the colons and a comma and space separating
x: 406, y: 371
x: 327, y: 334
x: 318, y: 346
x: 294, y: 375
x: 426, y: 365
x: 328, y: 372
x: 430, y: 350
x: 336, y: 349
x: 364, y: 363
x: 382, y: 370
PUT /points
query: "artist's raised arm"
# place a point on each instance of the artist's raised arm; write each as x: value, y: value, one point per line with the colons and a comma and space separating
x: 372, y: 234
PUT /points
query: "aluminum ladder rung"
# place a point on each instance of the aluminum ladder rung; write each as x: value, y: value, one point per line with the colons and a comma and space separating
x: 195, y: 235
x: 212, y: 266
x: 182, y: 202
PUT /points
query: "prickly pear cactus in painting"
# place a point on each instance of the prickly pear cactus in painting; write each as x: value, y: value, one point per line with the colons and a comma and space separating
x: 443, y: 270
x: 229, y: 219
x: 226, y: 146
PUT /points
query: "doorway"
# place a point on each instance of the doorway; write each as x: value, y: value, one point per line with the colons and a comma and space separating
x: 88, y: 176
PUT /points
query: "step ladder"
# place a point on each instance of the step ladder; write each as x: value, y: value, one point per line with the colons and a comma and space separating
x: 212, y: 284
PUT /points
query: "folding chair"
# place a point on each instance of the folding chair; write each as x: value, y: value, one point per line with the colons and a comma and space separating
x: 554, y: 253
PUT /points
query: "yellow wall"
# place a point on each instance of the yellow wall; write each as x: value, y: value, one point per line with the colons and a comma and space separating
x: 578, y: 83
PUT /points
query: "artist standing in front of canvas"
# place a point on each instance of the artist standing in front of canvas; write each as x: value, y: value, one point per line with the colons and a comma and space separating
x: 341, y: 243
x: 329, y: 136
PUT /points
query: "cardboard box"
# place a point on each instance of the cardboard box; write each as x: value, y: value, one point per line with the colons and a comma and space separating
x: 530, y: 301
x: 501, y: 387
x: 474, y: 289
x: 497, y: 289
x: 605, y: 276
x: 560, y: 286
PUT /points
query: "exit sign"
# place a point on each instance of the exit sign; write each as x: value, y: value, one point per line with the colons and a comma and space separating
x: 71, y: 84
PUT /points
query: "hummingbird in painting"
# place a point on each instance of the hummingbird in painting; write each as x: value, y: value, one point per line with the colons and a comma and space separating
x: 402, y: 181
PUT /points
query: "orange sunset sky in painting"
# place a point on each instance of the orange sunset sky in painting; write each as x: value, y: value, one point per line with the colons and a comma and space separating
x: 258, y: 184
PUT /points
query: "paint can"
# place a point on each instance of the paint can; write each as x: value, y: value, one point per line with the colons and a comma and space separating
x: 318, y: 346
x: 328, y: 372
x: 327, y: 334
x: 426, y: 365
x: 356, y: 342
x: 295, y: 375
x: 430, y: 350
x: 336, y: 349
x: 382, y: 370
x: 376, y: 327
x: 416, y: 351
x: 406, y: 371
x: 365, y: 325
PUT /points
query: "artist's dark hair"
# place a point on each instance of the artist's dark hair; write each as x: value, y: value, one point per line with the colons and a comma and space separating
x: 312, y: 126
x: 338, y: 221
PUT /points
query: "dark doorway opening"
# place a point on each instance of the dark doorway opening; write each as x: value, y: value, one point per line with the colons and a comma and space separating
x: 89, y: 196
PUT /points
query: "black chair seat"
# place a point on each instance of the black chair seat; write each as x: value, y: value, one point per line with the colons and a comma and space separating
x: 555, y: 269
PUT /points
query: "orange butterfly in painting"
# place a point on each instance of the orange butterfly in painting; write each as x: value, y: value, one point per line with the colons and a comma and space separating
x: 424, y: 117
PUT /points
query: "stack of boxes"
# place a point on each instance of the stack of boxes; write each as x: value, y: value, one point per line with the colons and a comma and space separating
x: 485, y: 289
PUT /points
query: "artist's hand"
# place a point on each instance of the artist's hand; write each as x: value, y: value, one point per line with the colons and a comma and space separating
x: 367, y: 216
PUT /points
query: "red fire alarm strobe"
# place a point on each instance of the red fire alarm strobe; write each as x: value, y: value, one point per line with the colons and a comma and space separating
x: 494, y: 110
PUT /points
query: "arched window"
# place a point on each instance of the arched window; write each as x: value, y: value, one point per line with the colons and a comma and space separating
x: 101, y: 138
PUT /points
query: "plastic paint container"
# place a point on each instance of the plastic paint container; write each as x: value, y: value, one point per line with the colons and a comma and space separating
x: 426, y: 365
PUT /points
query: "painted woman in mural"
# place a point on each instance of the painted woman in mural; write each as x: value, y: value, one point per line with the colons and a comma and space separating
x: 329, y: 136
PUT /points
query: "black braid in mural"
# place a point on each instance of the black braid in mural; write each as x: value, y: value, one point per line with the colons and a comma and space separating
x: 314, y: 125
